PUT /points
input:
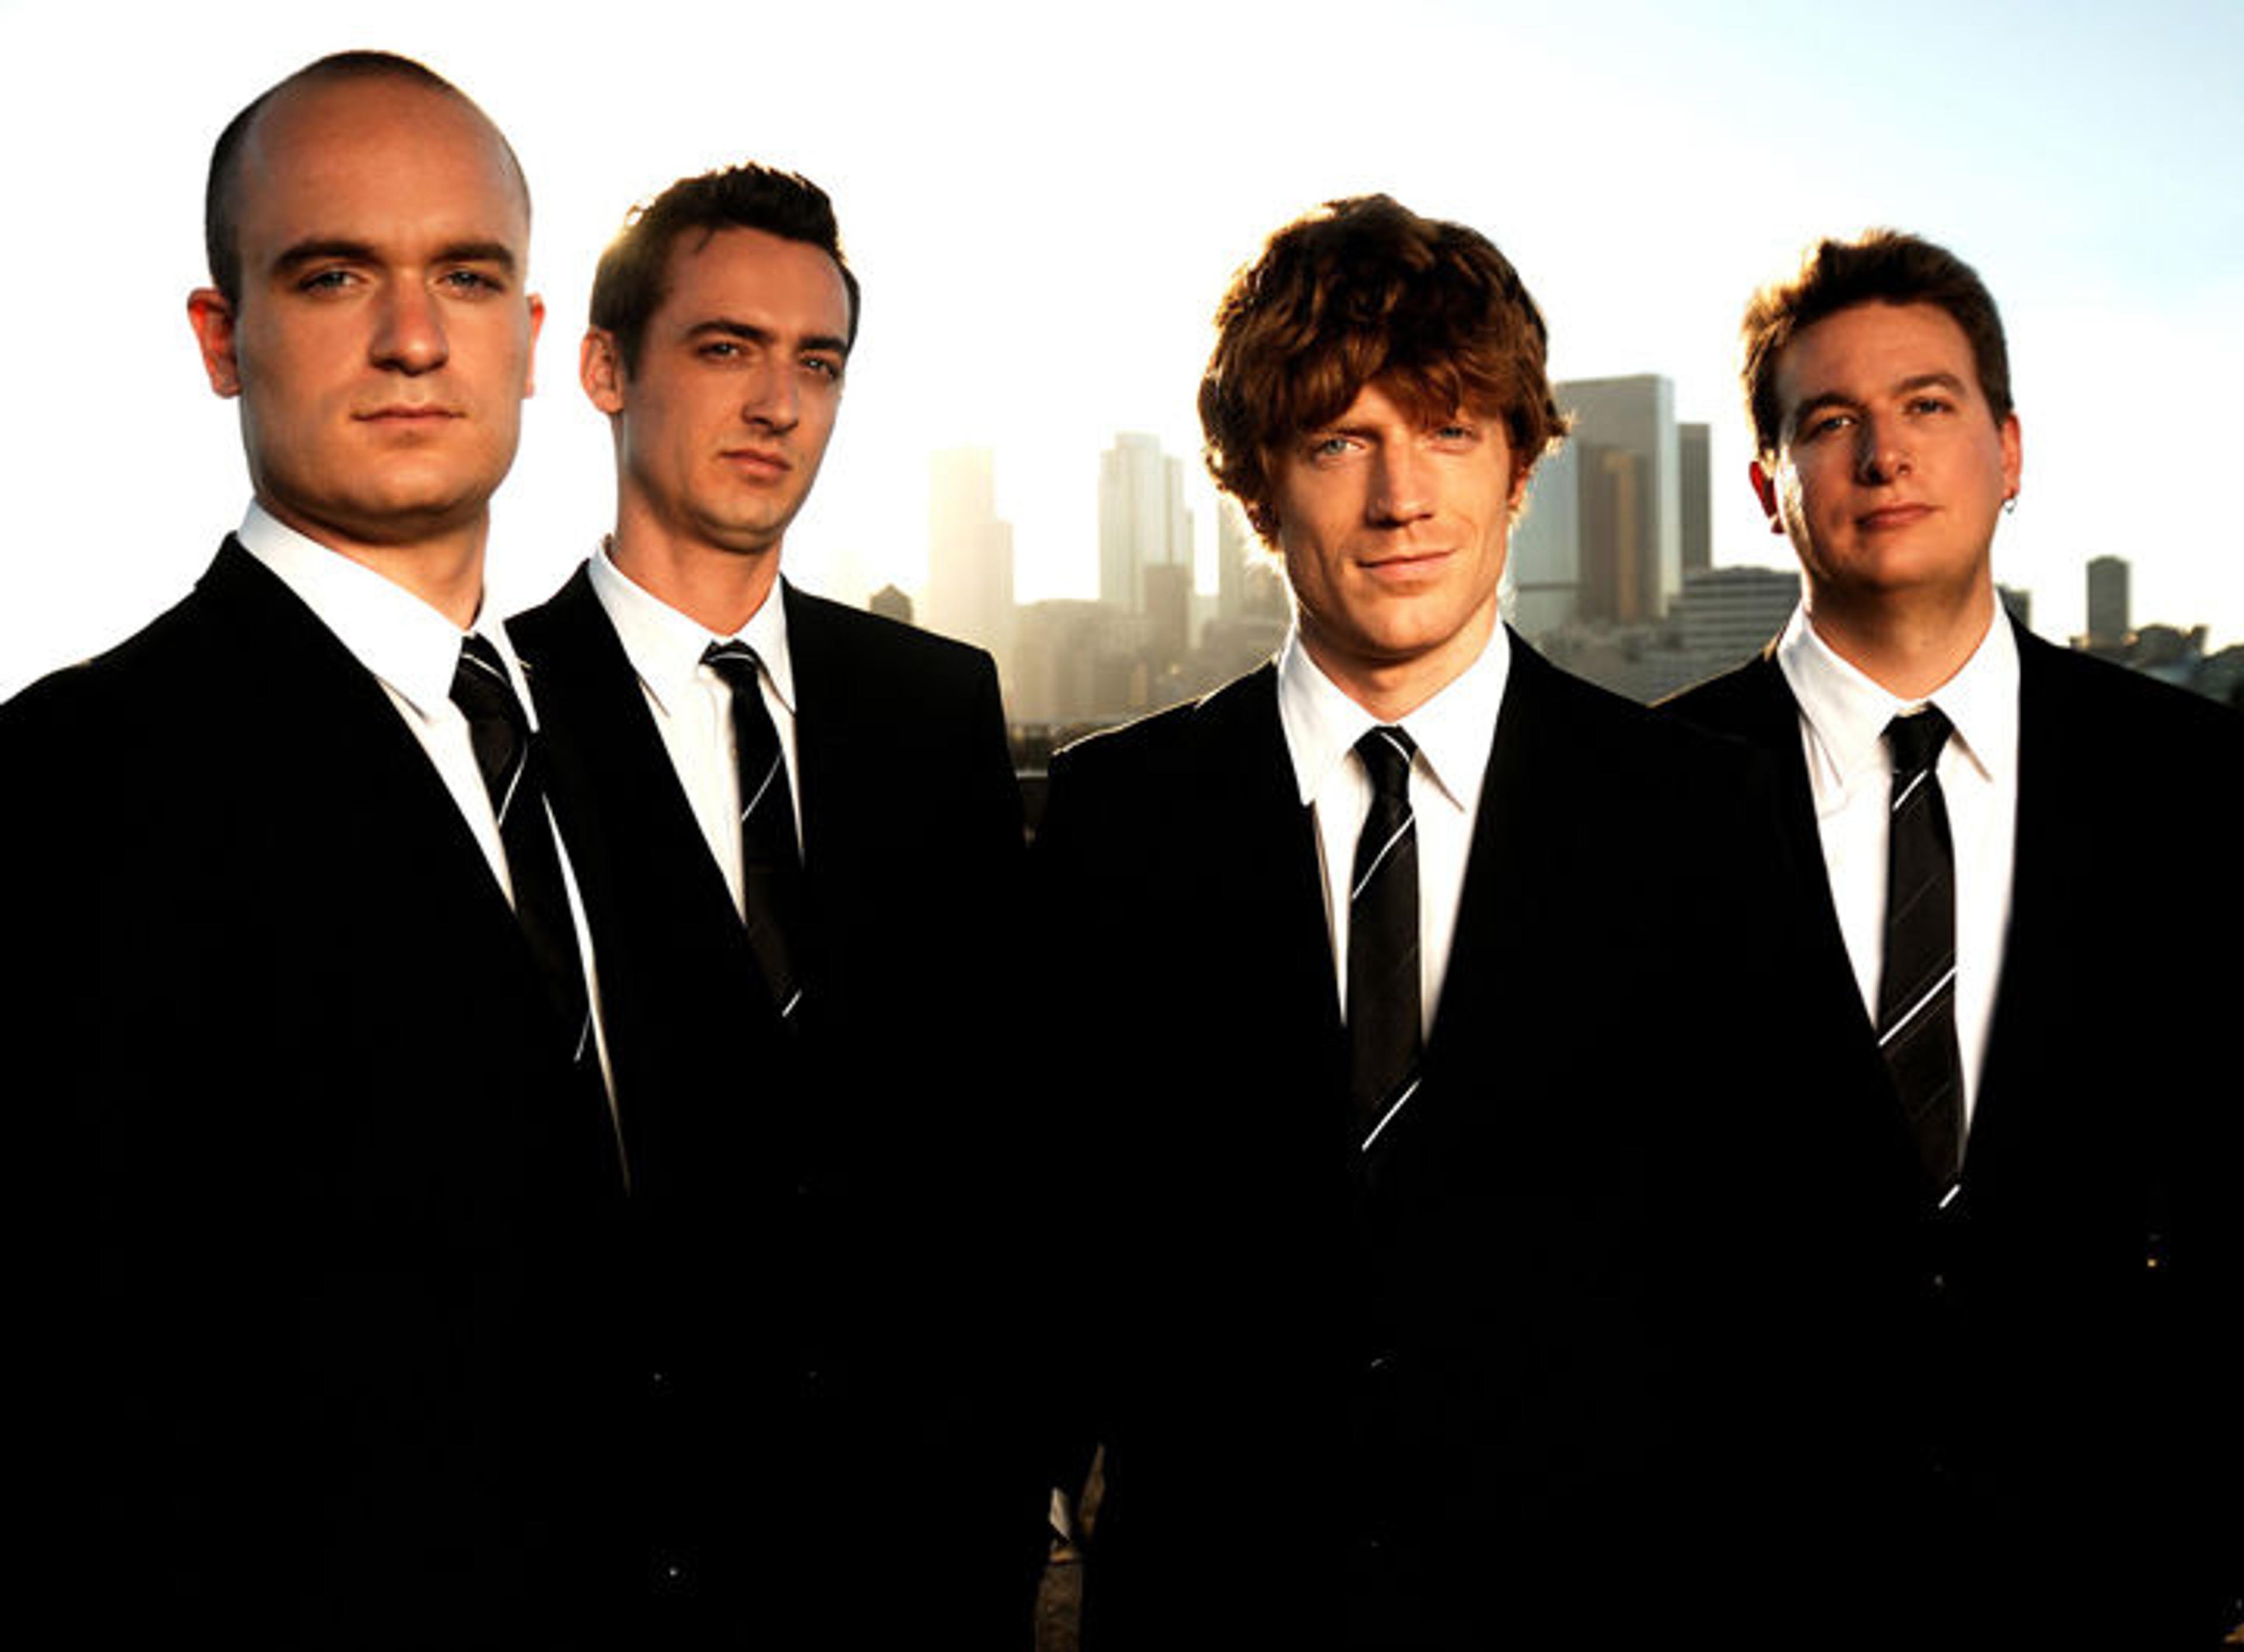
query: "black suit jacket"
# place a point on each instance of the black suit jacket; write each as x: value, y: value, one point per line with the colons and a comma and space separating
x: 2062, y: 1413
x: 1516, y: 1374
x: 318, y: 1197
x: 814, y: 1364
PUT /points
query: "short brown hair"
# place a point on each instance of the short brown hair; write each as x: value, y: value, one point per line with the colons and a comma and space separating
x: 1878, y: 266
x: 221, y: 228
x: 631, y: 283
x: 1365, y: 289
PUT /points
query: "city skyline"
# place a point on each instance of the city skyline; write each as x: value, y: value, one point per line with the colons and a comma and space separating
x: 1043, y: 224
x: 1609, y: 574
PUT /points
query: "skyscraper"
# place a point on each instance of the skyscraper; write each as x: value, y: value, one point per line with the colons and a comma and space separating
x: 1543, y: 568
x: 970, y: 552
x: 2109, y: 620
x: 1605, y: 539
x: 1693, y: 448
x: 1142, y: 520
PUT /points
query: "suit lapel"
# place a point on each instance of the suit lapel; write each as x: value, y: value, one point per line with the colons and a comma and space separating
x: 2051, y: 813
x: 340, y: 803
x: 682, y: 1000
x: 1769, y: 718
x: 353, y: 760
x: 839, y: 738
x: 1528, y: 775
x: 1284, y: 866
x: 605, y: 751
x: 1257, y: 843
x: 831, y: 752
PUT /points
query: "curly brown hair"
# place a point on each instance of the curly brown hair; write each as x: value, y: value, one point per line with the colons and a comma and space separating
x: 1364, y: 289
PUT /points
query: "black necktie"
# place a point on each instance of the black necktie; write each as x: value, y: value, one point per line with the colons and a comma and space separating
x: 1916, y: 990
x: 504, y: 751
x: 1382, y: 939
x: 771, y: 866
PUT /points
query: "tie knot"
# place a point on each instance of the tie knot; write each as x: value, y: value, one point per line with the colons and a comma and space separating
x: 481, y: 691
x: 497, y: 727
x: 1916, y: 738
x: 734, y: 662
x: 1386, y: 752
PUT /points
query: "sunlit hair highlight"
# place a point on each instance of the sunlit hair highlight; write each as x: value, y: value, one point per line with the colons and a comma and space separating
x: 1365, y: 290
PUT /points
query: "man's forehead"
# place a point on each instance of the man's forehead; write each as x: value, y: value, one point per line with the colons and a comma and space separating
x: 739, y: 262
x: 1874, y: 346
x: 309, y: 134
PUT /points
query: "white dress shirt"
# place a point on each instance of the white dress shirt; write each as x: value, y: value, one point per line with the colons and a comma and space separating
x: 1843, y: 719
x: 693, y: 707
x: 1454, y: 732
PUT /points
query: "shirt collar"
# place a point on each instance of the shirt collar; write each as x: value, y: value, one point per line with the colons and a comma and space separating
x: 412, y: 647
x: 665, y: 647
x: 1453, y: 731
x: 1849, y: 711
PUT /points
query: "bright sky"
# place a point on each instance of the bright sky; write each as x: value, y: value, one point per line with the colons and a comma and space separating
x: 1044, y: 202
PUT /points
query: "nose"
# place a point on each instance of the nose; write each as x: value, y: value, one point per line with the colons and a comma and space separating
x: 1402, y: 485
x: 409, y: 333
x: 1881, y: 456
x: 772, y: 398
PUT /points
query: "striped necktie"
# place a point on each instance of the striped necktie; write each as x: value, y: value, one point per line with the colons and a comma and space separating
x: 1916, y: 988
x: 500, y: 733
x: 1384, y: 1031
x: 771, y: 864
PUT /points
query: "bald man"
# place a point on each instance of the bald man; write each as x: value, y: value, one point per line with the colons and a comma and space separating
x: 307, y: 1005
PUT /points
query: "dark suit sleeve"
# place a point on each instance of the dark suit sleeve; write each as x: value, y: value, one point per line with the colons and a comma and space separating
x: 1001, y: 1210
x: 61, y: 979
x: 935, y: 934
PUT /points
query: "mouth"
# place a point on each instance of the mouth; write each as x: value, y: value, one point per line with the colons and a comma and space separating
x: 407, y: 415
x: 758, y: 462
x: 1888, y: 517
x: 1403, y: 567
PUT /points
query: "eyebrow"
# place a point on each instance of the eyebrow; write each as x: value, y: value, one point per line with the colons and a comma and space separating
x: 1915, y: 382
x: 724, y: 327
x: 317, y: 248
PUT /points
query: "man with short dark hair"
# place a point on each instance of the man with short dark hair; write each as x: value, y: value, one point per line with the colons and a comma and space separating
x: 1421, y: 1193
x: 307, y: 1005
x: 1994, y: 817
x: 802, y: 843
